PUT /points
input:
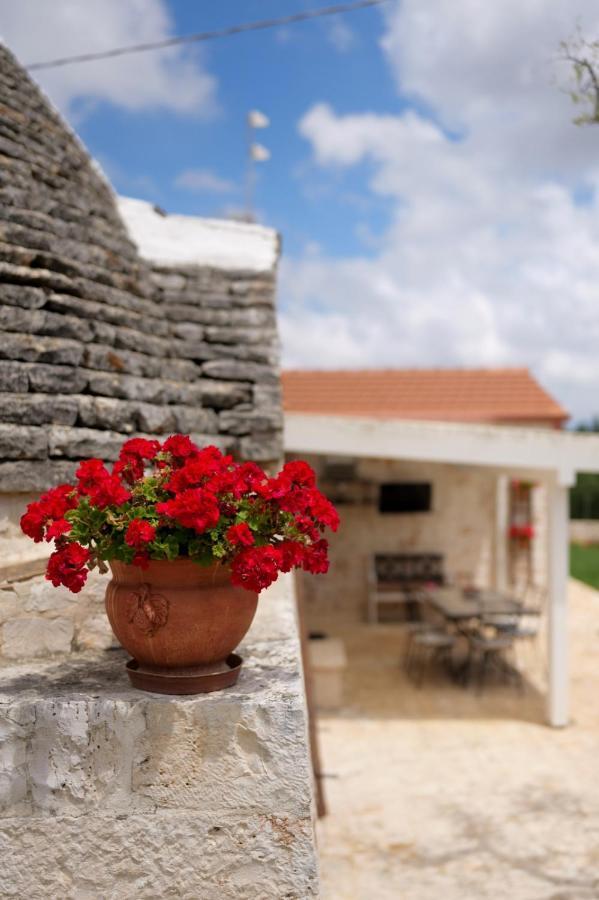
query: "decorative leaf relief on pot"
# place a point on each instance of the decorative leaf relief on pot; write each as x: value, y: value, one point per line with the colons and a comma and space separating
x: 147, y: 611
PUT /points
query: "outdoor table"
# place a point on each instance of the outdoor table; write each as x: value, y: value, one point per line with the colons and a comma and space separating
x: 457, y: 605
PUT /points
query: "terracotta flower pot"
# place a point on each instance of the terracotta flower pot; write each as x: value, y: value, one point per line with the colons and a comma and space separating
x: 180, y: 622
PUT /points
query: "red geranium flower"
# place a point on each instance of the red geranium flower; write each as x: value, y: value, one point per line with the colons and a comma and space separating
x: 195, y: 492
x: 141, y: 559
x: 322, y: 509
x: 67, y: 566
x: 139, y: 533
x: 240, y: 535
x: 299, y: 472
x: 45, y: 517
x: 96, y: 482
x: 256, y: 568
x: 316, y: 558
x: 194, y: 508
x: 292, y: 554
x: 130, y: 464
x: 180, y: 446
x: 197, y: 470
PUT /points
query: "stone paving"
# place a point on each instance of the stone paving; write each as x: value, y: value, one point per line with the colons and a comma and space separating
x: 440, y: 793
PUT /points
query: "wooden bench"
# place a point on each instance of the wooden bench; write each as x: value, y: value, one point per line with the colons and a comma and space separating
x: 396, y: 578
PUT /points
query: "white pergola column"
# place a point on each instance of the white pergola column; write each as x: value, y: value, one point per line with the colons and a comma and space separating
x: 558, y: 688
x: 501, y: 531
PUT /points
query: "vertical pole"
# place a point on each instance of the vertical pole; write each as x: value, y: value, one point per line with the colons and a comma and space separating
x: 501, y: 532
x: 250, y: 176
x: 557, y: 699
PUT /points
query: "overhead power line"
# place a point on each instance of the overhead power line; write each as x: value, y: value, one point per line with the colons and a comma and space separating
x: 242, y: 28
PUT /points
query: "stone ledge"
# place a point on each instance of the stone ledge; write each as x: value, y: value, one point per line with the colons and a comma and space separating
x: 215, y: 789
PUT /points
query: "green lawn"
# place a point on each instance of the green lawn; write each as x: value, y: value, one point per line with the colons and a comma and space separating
x: 584, y: 564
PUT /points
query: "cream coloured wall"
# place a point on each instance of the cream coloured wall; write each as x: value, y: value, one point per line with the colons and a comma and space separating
x: 461, y: 525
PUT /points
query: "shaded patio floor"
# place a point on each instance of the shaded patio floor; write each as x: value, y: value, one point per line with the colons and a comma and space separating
x: 440, y: 793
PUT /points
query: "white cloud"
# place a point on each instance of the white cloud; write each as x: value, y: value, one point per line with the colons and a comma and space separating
x: 203, y: 181
x: 173, y: 78
x: 341, y: 36
x: 488, y: 259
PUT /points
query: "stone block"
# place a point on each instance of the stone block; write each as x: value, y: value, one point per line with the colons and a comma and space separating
x: 39, y: 595
x: 36, y: 348
x: 9, y: 605
x: 267, y: 397
x: 198, y: 350
x: 40, y: 321
x: 13, y: 378
x: 155, y: 419
x: 21, y: 442
x: 236, y: 335
x: 188, y: 419
x: 239, y: 371
x: 171, y: 281
x: 225, y: 442
x: 267, y: 354
x: 22, y: 295
x: 81, y: 443
x: 28, y: 638
x: 262, y: 447
x: 103, y: 412
x: 131, y: 339
x: 38, y: 409
x: 95, y: 633
x: 55, y: 379
x: 223, y: 394
x: 111, y: 359
x: 128, y: 387
x: 188, y: 331
x: 95, y: 771
x: 34, y: 475
x: 242, y: 423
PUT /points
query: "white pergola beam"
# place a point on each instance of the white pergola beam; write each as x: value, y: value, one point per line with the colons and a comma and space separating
x: 535, y: 450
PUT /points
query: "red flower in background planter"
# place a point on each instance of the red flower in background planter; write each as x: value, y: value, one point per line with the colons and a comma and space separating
x: 185, y: 523
x: 522, y: 532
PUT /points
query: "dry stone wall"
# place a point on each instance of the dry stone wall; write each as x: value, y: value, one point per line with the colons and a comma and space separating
x: 94, y: 345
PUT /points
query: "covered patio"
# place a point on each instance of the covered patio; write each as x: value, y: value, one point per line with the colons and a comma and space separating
x: 548, y: 457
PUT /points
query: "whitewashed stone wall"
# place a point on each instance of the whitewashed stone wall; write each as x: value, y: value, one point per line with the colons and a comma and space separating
x: 108, y: 792
x: 38, y: 620
x: 461, y: 526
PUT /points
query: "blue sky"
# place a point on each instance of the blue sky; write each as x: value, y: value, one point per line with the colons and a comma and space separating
x: 438, y: 207
x: 279, y: 72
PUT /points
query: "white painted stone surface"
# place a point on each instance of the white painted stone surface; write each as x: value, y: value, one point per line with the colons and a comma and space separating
x: 114, y: 793
x: 32, y: 637
x: 37, y: 619
x: 194, y: 241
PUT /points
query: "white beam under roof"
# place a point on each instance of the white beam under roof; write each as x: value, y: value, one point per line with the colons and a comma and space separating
x: 538, y: 450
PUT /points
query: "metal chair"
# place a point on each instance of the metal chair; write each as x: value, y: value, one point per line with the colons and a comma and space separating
x: 428, y: 647
x: 489, y: 651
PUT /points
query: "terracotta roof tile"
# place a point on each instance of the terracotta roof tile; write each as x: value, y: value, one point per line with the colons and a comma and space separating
x: 459, y: 395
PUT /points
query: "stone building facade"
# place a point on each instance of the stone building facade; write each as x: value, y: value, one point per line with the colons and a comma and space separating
x: 96, y: 346
x: 105, y: 791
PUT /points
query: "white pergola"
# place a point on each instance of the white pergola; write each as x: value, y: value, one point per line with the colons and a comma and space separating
x: 553, y: 457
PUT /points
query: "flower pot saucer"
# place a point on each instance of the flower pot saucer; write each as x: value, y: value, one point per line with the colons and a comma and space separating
x: 192, y: 680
